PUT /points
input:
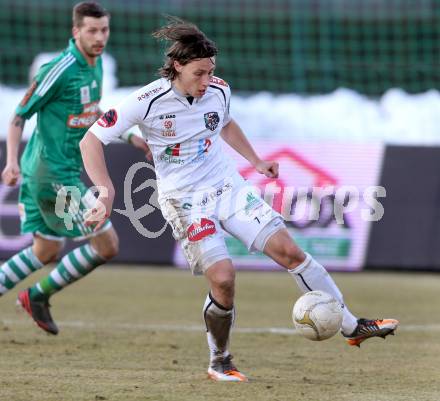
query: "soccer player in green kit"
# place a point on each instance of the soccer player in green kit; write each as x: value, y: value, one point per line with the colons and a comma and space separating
x: 65, y: 94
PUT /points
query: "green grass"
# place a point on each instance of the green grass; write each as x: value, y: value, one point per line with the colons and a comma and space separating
x: 132, y: 334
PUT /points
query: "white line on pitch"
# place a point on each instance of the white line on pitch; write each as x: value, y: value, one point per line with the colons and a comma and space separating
x: 196, y: 328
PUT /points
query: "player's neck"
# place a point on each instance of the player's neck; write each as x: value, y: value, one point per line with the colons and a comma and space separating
x: 177, y: 88
x: 91, y: 60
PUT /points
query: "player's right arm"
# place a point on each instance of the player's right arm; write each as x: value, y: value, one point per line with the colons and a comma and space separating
x: 96, y: 168
x: 107, y: 129
x: 46, y: 85
x: 11, y: 172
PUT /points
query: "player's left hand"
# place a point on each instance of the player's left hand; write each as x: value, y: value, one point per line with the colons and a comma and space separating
x: 268, y: 168
x: 140, y: 143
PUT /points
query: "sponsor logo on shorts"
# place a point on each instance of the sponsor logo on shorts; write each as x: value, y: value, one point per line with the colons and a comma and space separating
x: 252, y: 202
x: 108, y: 119
x: 215, y: 194
x: 211, y: 120
x: 197, y: 231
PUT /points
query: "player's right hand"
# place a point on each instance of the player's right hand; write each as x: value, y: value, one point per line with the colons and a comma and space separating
x: 99, y: 213
x: 11, y: 174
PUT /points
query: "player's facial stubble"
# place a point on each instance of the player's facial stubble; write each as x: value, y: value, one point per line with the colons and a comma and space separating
x: 92, y: 36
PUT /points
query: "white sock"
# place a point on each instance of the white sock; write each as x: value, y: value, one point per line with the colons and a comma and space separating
x: 219, y: 321
x: 310, y: 276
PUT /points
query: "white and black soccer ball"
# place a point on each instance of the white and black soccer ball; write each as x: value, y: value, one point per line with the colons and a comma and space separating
x: 317, y: 315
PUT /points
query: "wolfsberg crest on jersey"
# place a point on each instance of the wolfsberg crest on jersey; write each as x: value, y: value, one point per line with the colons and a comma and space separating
x: 211, y: 120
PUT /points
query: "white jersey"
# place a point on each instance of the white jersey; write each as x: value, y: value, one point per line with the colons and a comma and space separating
x: 183, y: 137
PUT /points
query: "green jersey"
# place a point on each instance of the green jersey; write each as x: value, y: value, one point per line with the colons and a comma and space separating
x: 65, y: 95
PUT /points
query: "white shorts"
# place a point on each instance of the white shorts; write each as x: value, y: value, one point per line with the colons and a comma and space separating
x: 234, y: 206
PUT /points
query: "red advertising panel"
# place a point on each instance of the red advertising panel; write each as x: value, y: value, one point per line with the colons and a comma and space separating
x: 327, y: 194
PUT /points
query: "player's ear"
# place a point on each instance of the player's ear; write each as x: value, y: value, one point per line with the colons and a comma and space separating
x: 177, y: 66
x: 75, y: 32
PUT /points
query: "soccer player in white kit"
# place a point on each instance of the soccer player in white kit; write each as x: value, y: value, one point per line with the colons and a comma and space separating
x: 183, y: 116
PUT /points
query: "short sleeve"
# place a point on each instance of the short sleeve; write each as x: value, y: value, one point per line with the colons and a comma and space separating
x: 46, y: 85
x: 114, y: 122
x: 227, y: 117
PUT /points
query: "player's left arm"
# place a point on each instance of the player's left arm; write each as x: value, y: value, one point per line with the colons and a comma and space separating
x: 233, y: 135
x: 135, y: 140
x: 138, y: 142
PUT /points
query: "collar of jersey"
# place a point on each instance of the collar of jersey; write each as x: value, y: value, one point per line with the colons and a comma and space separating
x: 176, y: 94
x: 75, y: 51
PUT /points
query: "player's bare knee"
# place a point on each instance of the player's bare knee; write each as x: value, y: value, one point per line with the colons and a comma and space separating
x: 109, y: 252
x: 46, y: 256
x: 224, y: 284
x: 113, y: 247
x: 110, y: 249
x: 292, y: 255
x: 106, y: 245
x: 46, y: 251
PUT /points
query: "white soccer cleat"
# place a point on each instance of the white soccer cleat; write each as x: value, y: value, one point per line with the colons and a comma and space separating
x: 223, y: 370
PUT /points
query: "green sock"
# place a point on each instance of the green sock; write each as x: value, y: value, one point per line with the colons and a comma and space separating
x: 17, y: 269
x: 73, y: 266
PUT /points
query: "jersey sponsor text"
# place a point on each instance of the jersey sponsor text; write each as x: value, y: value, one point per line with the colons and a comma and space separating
x: 83, y: 120
x: 146, y: 95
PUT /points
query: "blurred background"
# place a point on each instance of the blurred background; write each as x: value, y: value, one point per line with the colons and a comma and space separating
x: 281, y: 46
x: 343, y: 93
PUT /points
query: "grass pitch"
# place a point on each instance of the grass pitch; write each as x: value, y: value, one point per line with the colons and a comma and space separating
x: 129, y: 334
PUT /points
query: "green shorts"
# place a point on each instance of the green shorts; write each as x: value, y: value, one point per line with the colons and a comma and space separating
x: 55, y: 211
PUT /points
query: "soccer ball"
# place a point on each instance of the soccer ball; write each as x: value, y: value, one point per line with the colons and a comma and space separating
x: 317, y: 315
